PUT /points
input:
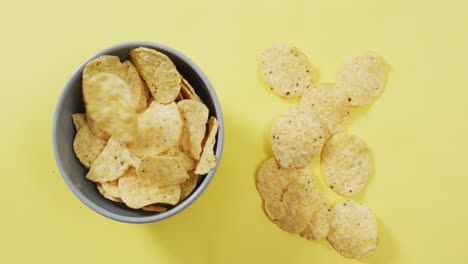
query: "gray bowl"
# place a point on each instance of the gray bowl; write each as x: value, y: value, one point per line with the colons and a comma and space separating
x: 71, y: 101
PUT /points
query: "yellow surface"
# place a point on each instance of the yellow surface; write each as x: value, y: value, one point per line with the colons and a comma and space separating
x: 417, y: 129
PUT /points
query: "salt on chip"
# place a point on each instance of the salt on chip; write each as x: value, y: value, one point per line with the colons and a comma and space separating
x: 137, y: 192
x: 195, y: 116
x: 187, y: 162
x: 208, y: 159
x: 159, y: 128
x: 111, y: 187
x: 189, y: 185
x: 79, y: 119
x: 272, y: 179
x: 159, y: 72
x: 353, y: 229
x: 296, y: 137
x: 346, y: 164
x: 330, y: 104
x: 136, y: 86
x: 87, y: 146
x: 108, y: 101
x: 286, y: 70
x: 113, y: 161
x: 362, y: 78
x: 154, y: 208
x: 107, y: 195
x: 163, y: 170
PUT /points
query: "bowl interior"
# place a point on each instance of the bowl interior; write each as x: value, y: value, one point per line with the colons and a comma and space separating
x: 74, y: 172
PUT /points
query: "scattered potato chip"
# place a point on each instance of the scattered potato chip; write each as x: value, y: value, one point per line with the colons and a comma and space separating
x: 187, y: 162
x: 159, y: 128
x: 208, y: 159
x: 159, y: 72
x: 137, y: 192
x: 195, y: 116
x: 297, y: 137
x: 109, y: 103
x: 329, y: 104
x: 163, y: 170
x: 187, y: 91
x: 112, y: 188
x: 353, y: 229
x: 317, y: 228
x: 106, y: 195
x: 362, y: 78
x: 346, y: 164
x: 154, y: 208
x: 136, y: 87
x: 113, y: 161
x: 272, y: 179
x: 286, y: 70
x: 87, y: 146
x: 189, y: 185
x: 79, y: 120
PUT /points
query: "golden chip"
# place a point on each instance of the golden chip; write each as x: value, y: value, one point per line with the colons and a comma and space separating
x: 109, y: 104
x: 105, y: 63
x: 79, y: 120
x: 162, y: 170
x: 111, y: 187
x: 136, y: 86
x: 154, y: 208
x: 286, y: 70
x: 96, y: 129
x: 208, y: 159
x: 272, y: 179
x: 187, y: 162
x: 317, y: 228
x: 189, y: 185
x: 159, y: 72
x: 107, y: 195
x: 187, y: 91
x: 113, y: 161
x: 137, y: 192
x: 159, y: 128
x: 329, y: 104
x: 87, y: 146
x: 297, y: 137
x: 353, y: 229
x: 195, y: 116
x: 346, y: 163
x: 362, y: 78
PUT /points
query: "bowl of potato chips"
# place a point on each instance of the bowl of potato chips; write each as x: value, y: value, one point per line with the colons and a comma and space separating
x: 138, y: 132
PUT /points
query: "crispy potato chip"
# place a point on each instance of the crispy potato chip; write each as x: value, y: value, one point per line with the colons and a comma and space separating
x: 286, y: 70
x: 112, y: 188
x: 189, y: 185
x: 104, y: 63
x: 208, y: 159
x: 159, y: 72
x: 179, y: 97
x: 137, y: 192
x: 159, y: 128
x: 107, y: 195
x: 99, y: 132
x: 297, y: 137
x: 108, y: 101
x: 329, y: 104
x: 113, y: 161
x: 187, y: 162
x: 195, y: 116
x: 353, y: 229
x: 346, y: 164
x: 87, y: 146
x: 145, y: 96
x: 154, y: 208
x: 362, y: 78
x: 272, y: 179
x: 163, y: 170
x: 317, y: 228
x: 136, y: 86
x: 79, y: 119
x: 187, y: 91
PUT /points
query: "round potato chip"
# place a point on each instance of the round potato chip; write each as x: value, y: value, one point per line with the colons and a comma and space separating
x: 136, y: 86
x: 159, y: 72
x: 317, y: 228
x: 108, y: 102
x: 163, y: 170
x: 105, y: 63
x: 187, y: 162
x: 346, y: 164
x: 87, y: 146
x: 112, y: 188
x: 286, y: 70
x: 107, y: 195
x: 297, y: 137
x: 195, y: 116
x: 272, y: 179
x: 362, y: 78
x: 353, y: 229
x: 329, y: 104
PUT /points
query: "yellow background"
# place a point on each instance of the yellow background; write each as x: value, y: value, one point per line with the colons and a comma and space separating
x: 417, y: 129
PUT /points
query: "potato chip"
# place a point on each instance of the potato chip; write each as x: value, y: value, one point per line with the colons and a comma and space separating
x: 346, y: 164
x: 79, y: 120
x: 195, y: 116
x: 99, y: 132
x: 286, y: 70
x: 105, y: 63
x: 111, y: 187
x: 188, y: 92
x: 272, y: 179
x: 154, y: 208
x: 187, y: 162
x: 159, y: 128
x: 189, y: 185
x: 353, y: 229
x: 134, y: 81
x: 113, y: 161
x: 159, y: 72
x: 87, y: 146
x: 362, y: 78
x: 208, y: 159
x: 109, y: 104
x: 163, y: 170
x: 297, y: 137
x: 329, y: 104
x: 317, y: 228
x: 106, y: 195
x: 137, y: 192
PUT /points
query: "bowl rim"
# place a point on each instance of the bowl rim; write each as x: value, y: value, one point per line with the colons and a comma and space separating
x: 218, y: 152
